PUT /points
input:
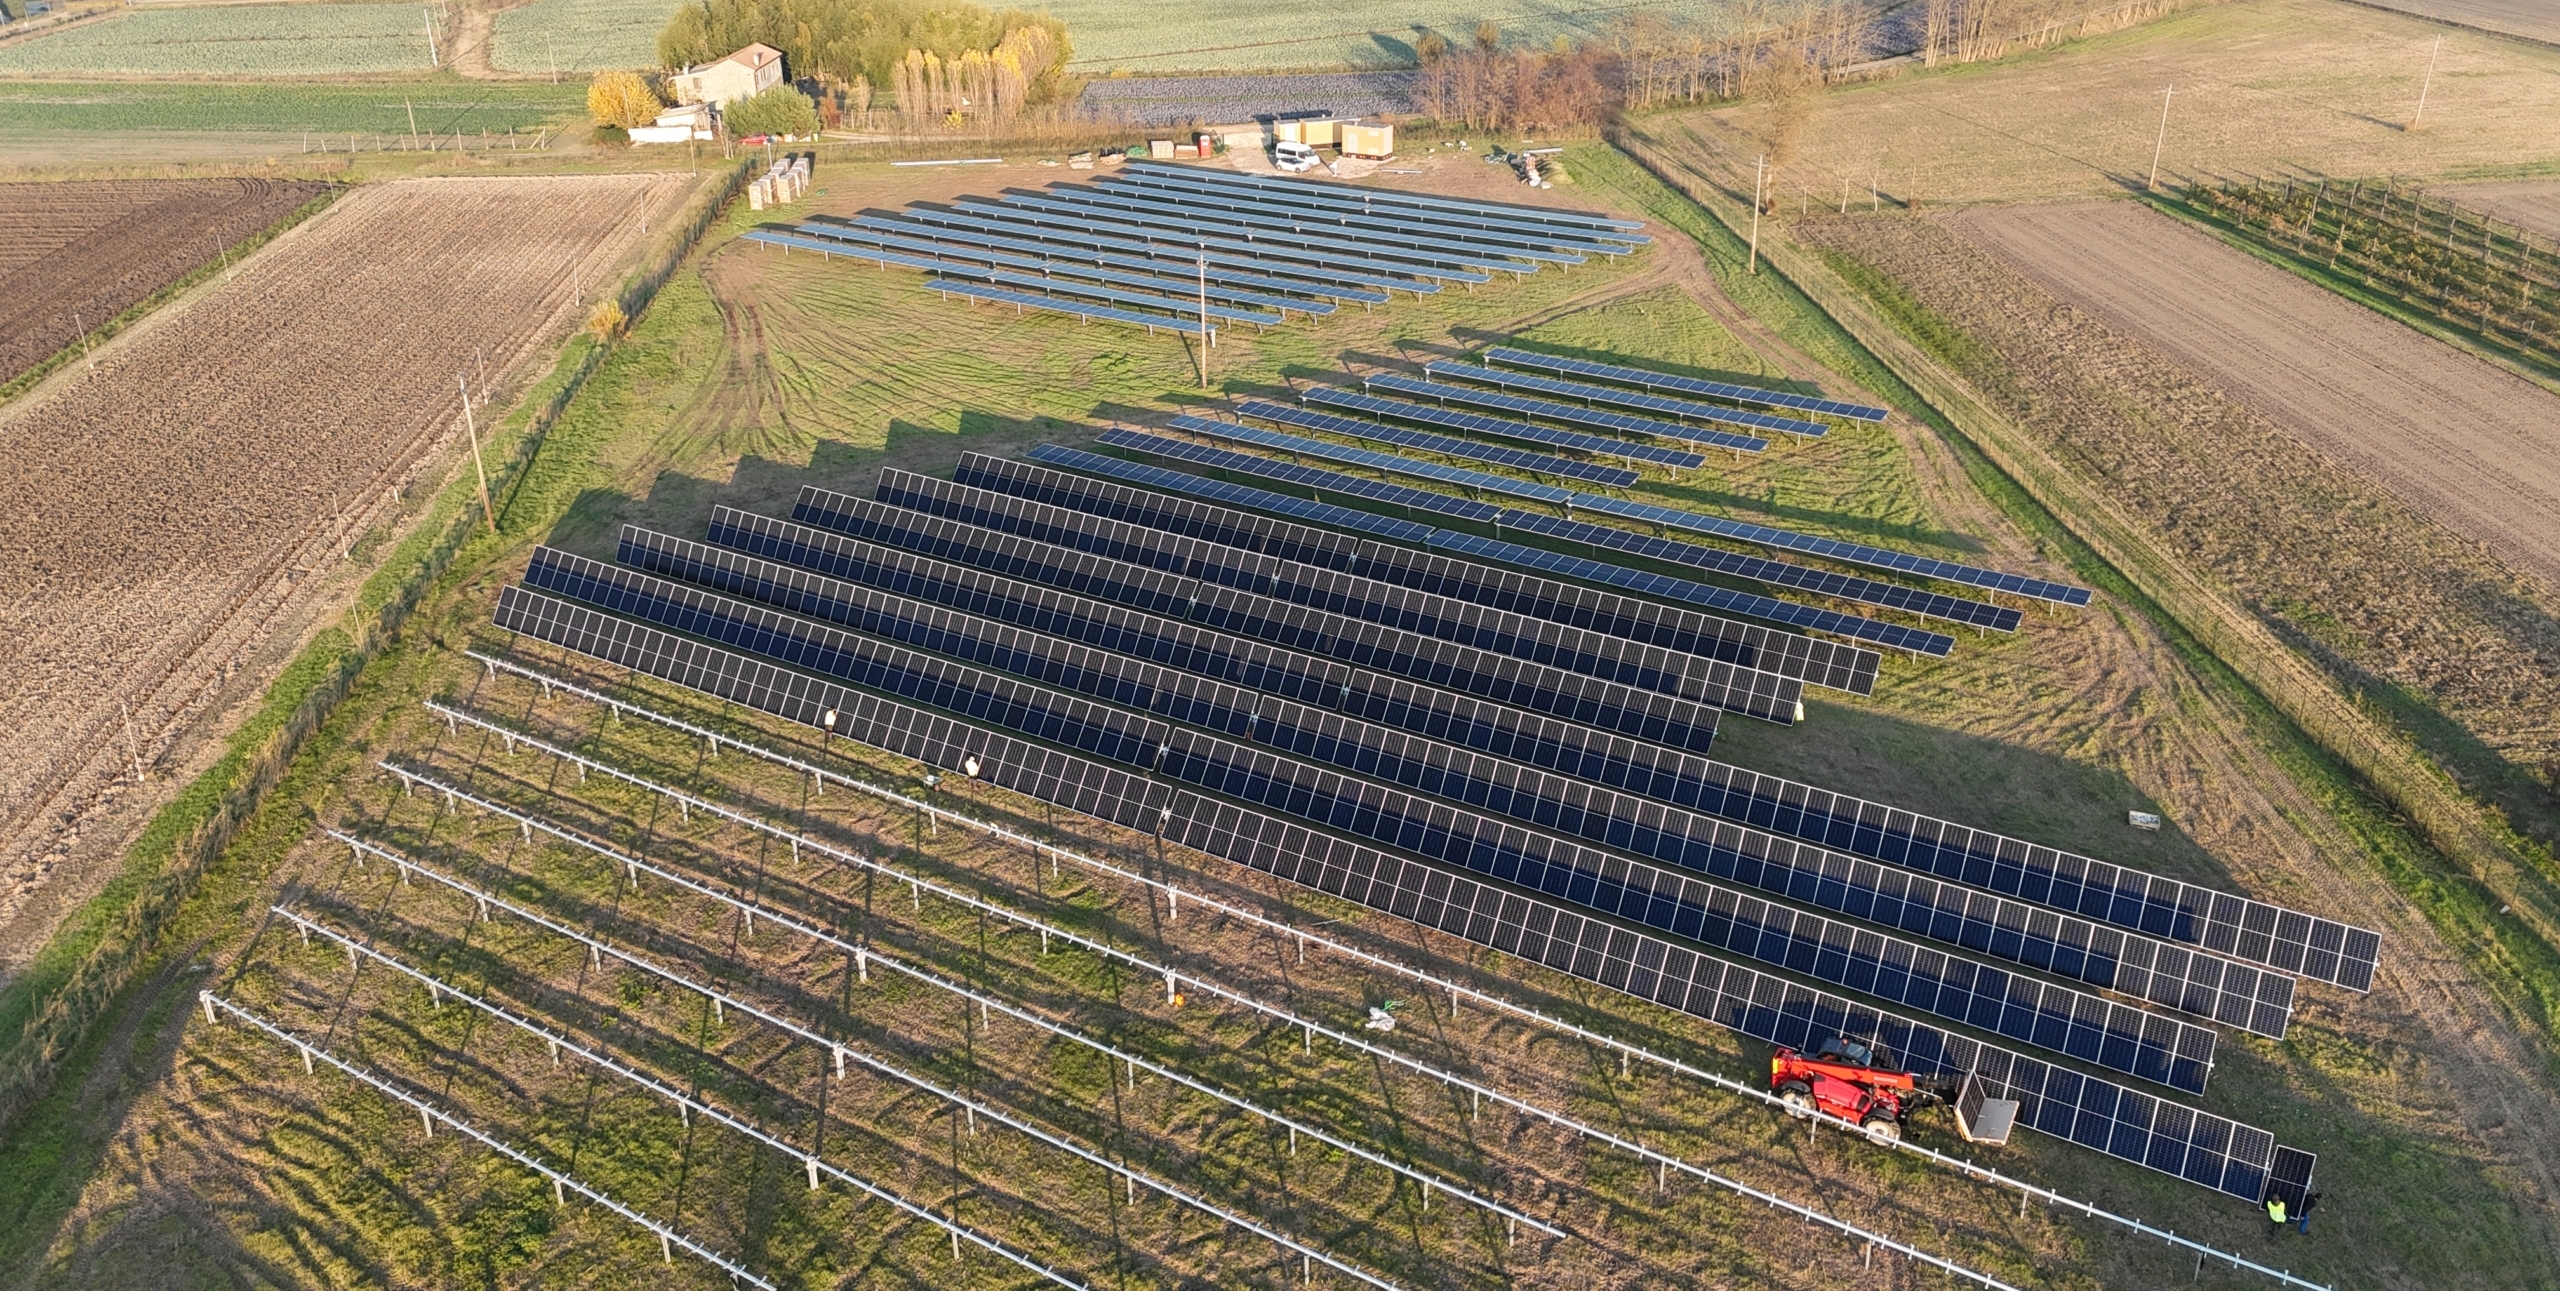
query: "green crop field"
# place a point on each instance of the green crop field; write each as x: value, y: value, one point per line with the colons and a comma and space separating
x: 442, y: 105
x: 1310, y: 34
x: 580, y: 35
x: 234, y: 40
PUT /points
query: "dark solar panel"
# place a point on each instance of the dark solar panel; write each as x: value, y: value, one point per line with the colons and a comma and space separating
x: 1515, y: 458
x: 1463, y: 647
x: 828, y: 249
x: 1153, y: 509
x: 1062, y: 305
x: 1392, y: 464
x: 1690, y: 385
x: 928, y: 222
x: 1157, y: 477
x: 1370, y: 196
x: 1717, y: 560
x: 1070, y: 215
x: 1310, y: 477
x: 1398, y: 224
x: 2289, y: 1177
x: 1641, y: 400
x: 1570, y: 414
x: 1087, y: 266
x: 1264, y: 222
x: 1848, y: 553
x: 1183, y: 305
x: 1498, y: 428
x: 2203, y: 1148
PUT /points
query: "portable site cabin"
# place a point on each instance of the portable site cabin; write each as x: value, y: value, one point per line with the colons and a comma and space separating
x: 1373, y: 140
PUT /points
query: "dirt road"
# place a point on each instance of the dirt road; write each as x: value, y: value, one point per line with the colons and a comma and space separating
x: 162, y: 515
x: 2463, y: 441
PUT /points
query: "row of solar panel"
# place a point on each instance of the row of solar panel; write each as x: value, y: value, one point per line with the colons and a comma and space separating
x: 1428, y: 207
x: 961, y: 259
x: 1385, y: 584
x: 1571, y: 415
x: 1687, y: 385
x: 1584, y: 414
x: 1000, y: 221
x: 1183, y: 210
x: 1517, y: 459
x: 2158, y: 906
x: 1315, y: 478
x: 973, y: 668
x: 1364, y: 257
x: 2209, y: 1150
x: 1917, y: 906
x: 1389, y: 463
x: 1025, y: 252
x: 1499, y: 705
x: 1497, y: 428
x: 1302, y: 217
x: 1366, y: 642
x: 1817, y: 662
x: 1610, y: 235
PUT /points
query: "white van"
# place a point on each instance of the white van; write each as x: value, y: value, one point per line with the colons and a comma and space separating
x: 1294, y: 157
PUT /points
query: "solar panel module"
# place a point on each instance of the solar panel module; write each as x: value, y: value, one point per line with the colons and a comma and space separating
x: 1424, y: 441
x: 1310, y: 477
x: 1498, y: 428
x: 1390, y: 463
x: 1692, y: 385
x: 1643, y: 401
x: 1570, y: 414
x: 2212, y: 1151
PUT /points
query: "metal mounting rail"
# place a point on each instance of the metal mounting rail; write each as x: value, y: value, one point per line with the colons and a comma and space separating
x: 1663, y: 1161
x: 865, y: 957
x: 429, y: 1114
x: 490, y: 900
x: 1627, y: 1051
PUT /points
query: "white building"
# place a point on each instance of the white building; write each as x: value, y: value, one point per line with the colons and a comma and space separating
x: 742, y: 75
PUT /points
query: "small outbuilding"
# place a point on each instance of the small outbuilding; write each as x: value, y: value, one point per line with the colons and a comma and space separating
x: 742, y: 75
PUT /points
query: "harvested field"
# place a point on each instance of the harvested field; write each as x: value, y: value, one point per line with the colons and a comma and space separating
x: 2531, y: 19
x: 2263, y: 87
x: 79, y: 254
x: 162, y: 514
x: 2531, y: 203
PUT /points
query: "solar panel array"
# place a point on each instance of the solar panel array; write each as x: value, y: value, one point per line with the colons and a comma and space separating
x: 1300, y: 216
x: 1432, y: 208
x: 1385, y: 580
x: 1637, y: 399
x: 1022, y: 300
x: 1157, y: 477
x: 1691, y: 385
x: 1497, y: 428
x: 2108, y: 1117
x: 1847, y: 553
x: 1570, y: 414
x: 841, y: 238
x: 1312, y: 477
x: 1390, y: 463
x: 1516, y: 459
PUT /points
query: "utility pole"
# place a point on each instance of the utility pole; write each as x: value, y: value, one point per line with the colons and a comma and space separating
x: 1206, y: 336
x: 2426, y: 84
x: 478, y: 467
x: 2161, y: 139
x: 429, y: 15
x: 1759, y: 169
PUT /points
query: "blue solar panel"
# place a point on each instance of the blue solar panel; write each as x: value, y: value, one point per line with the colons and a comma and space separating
x: 925, y: 221
x: 1173, y: 215
x: 1497, y: 428
x: 1388, y: 462
x: 1084, y: 218
x: 1140, y: 299
x: 1405, y: 224
x: 1832, y: 548
x: 1019, y: 253
x: 1571, y: 414
x: 1515, y: 458
x: 828, y: 249
x: 1024, y: 300
x: 1638, y: 399
x: 1715, y: 598
x: 1262, y: 220
x: 1243, y: 495
x: 1084, y: 267
x: 1847, y: 587
x: 1611, y: 225
x: 1690, y: 385
x: 1312, y: 477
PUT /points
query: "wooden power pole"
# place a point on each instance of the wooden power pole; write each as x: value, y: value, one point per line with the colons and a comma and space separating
x: 478, y: 467
x: 1759, y: 169
x: 2160, y: 139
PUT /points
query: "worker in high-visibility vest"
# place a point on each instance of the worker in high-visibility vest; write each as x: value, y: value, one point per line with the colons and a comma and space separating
x: 2275, y: 1214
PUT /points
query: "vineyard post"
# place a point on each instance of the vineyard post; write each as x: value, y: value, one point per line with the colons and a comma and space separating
x: 2161, y: 140
x: 2426, y: 84
x: 479, y: 468
x: 413, y: 123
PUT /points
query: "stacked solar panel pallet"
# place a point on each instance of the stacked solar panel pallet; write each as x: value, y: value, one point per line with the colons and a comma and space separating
x: 1315, y: 692
x: 1191, y: 249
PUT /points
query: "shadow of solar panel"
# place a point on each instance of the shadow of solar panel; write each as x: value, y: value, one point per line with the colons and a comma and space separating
x: 1497, y: 428
x: 1522, y: 683
x: 1042, y: 240
x: 1276, y: 210
x: 1832, y: 548
x: 1934, y: 644
x: 1550, y: 641
x: 1324, y: 450
x: 1369, y: 198
x: 1256, y: 665
x: 1185, y: 212
x: 1638, y: 400
x: 1822, y: 663
x: 1690, y: 385
x: 1569, y: 414
x: 1777, y: 573
x: 2209, y: 1150
x: 2107, y: 1035
x: 1515, y: 458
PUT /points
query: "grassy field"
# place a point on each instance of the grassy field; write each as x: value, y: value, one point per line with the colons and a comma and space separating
x: 579, y: 35
x: 442, y: 104
x: 233, y: 40
x: 1302, y: 35
x: 172, y: 1147
x: 2263, y: 87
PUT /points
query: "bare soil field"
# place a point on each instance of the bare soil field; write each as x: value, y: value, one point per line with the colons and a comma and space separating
x: 2533, y: 204
x: 162, y: 513
x: 2263, y: 87
x: 78, y: 254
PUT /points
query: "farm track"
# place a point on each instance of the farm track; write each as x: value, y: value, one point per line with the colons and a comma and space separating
x: 2533, y: 203
x: 165, y: 514
x: 81, y: 253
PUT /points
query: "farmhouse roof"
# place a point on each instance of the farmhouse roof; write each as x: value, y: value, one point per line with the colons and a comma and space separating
x: 750, y: 56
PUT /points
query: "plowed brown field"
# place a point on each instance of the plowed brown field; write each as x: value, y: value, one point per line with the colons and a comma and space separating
x: 162, y: 515
x: 78, y: 254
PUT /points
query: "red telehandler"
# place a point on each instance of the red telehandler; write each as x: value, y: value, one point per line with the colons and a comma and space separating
x: 1862, y: 1084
